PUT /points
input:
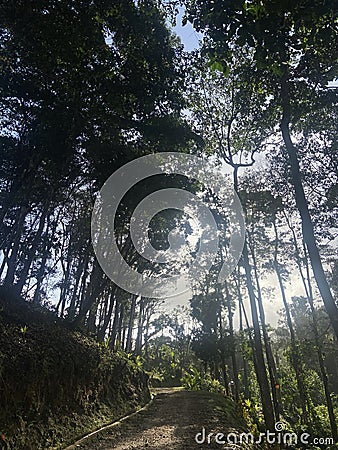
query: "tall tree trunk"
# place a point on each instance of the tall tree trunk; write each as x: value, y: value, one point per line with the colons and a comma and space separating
x: 31, y: 253
x: 302, y: 205
x: 108, y: 315
x: 131, y: 323
x: 276, y: 396
x: 75, y: 293
x: 260, y: 366
x: 232, y: 342
x: 296, y: 359
x: 223, y: 363
x: 241, y: 330
x: 64, y: 286
x: 41, y: 271
x: 262, y: 377
x: 4, y: 261
x: 119, y: 341
x: 309, y: 294
x: 12, y: 260
x: 139, y: 338
x: 320, y: 354
x: 97, y: 283
x: 91, y: 320
x: 113, y: 334
x: 146, y: 338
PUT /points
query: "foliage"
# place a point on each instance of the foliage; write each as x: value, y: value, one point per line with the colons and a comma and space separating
x: 252, y: 413
x: 194, y: 380
x: 169, y: 352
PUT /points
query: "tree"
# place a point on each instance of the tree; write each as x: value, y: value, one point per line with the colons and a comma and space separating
x: 291, y: 59
x: 230, y: 119
x: 101, y: 86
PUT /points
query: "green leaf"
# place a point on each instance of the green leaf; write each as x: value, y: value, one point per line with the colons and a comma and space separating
x: 220, y: 67
x: 217, y: 66
x: 226, y: 71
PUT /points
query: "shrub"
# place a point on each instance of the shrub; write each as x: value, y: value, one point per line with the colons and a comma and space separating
x: 194, y: 380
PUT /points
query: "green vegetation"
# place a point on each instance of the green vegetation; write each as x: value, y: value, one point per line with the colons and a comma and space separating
x: 194, y: 380
x: 57, y: 384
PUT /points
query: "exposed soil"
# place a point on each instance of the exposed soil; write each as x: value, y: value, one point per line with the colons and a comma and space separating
x: 171, y: 422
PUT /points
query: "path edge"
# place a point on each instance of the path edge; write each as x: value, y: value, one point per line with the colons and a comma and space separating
x: 106, y: 427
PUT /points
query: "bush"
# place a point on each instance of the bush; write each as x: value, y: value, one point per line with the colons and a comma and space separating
x: 194, y: 380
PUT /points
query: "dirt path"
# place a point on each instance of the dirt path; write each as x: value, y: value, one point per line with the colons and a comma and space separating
x: 171, y: 422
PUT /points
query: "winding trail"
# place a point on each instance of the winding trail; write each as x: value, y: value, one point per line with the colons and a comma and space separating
x: 170, y: 422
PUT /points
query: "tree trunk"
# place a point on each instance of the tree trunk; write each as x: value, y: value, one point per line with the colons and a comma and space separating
x: 276, y: 396
x: 41, y: 271
x: 262, y: 378
x: 97, y: 283
x: 108, y: 315
x: 260, y: 366
x: 4, y: 260
x: 302, y: 205
x: 77, y: 277
x: 119, y: 341
x: 296, y: 359
x: 32, y: 251
x: 320, y: 354
x: 131, y: 324
x: 241, y: 329
x: 113, y: 334
x: 223, y: 364
x: 138, y: 345
x: 12, y: 260
x: 232, y: 343
x: 309, y: 294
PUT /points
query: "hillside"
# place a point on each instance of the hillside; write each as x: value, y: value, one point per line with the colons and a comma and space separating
x: 56, y: 384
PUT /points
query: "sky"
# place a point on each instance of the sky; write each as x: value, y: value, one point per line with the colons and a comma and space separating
x: 188, y: 35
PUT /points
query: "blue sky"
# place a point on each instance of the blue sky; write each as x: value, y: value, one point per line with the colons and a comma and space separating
x: 188, y: 35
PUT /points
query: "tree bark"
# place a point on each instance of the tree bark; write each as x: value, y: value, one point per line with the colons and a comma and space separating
x: 12, y: 260
x: 296, y: 359
x: 260, y: 366
x: 276, y: 396
x: 32, y: 251
x: 302, y: 205
x: 309, y: 294
x: 320, y: 354
x: 232, y: 343
x: 131, y: 324
x: 138, y: 344
x: 108, y: 315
